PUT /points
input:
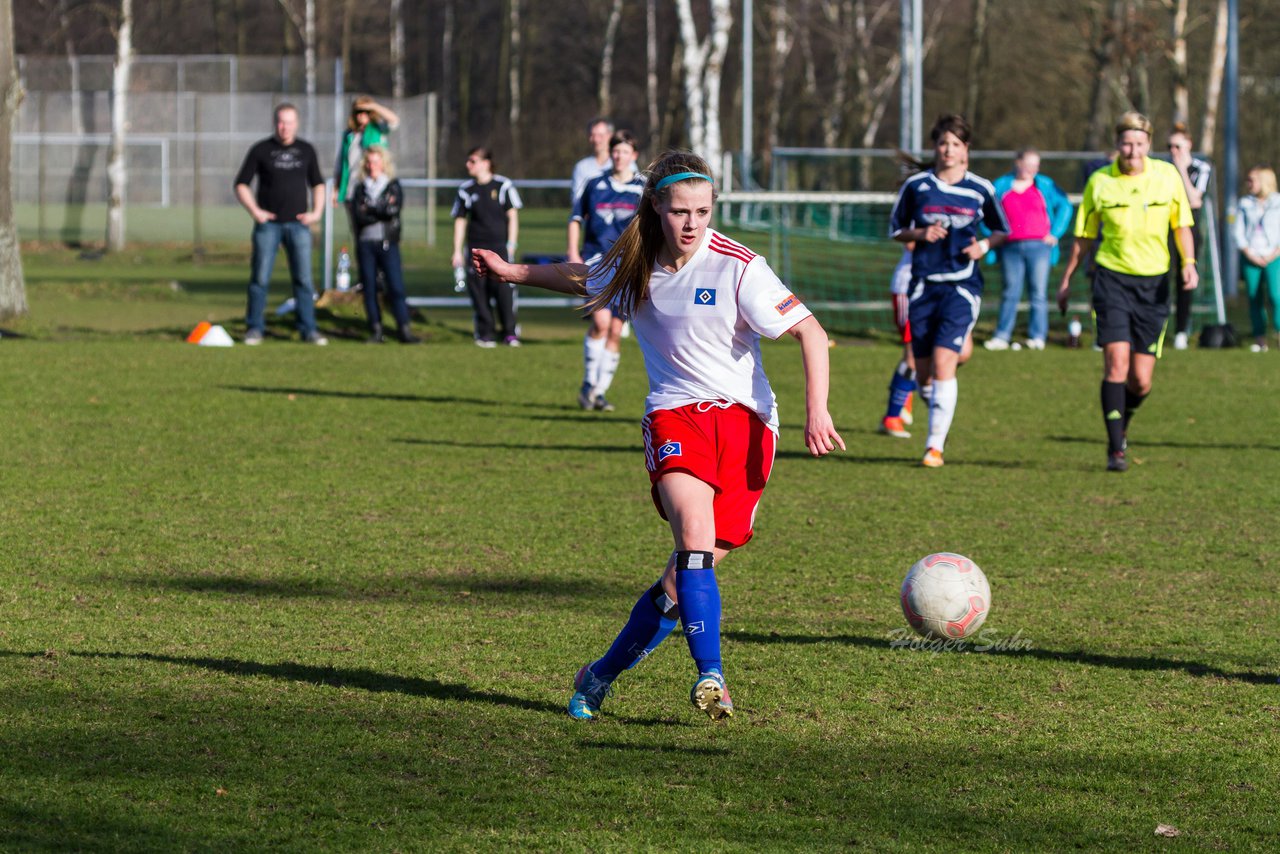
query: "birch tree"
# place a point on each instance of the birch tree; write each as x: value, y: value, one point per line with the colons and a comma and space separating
x: 305, y: 22
x: 651, y: 68
x: 977, y: 61
x: 117, y: 174
x: 1213, y: 93
x: 513, y: 71
x: 784, y: 40
x: 13, y: 290
x: 1179, y: 77
x: 605, y: 93
x: 703, y: 70
x: 397, y: 49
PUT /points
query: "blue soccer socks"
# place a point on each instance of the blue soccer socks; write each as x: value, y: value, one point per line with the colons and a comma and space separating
x: 699, y: 602
x: 651, y: 620
x: 901, y: 387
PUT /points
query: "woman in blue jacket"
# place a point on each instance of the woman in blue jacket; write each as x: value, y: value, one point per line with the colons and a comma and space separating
x: 1039, y: 214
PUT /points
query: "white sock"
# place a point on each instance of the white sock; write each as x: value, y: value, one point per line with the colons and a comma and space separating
x: 608, y: 367
x: 942, y: 408
x: 592, y: 350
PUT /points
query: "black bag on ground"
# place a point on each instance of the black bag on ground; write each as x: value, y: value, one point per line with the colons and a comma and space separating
x: 1217, y: 336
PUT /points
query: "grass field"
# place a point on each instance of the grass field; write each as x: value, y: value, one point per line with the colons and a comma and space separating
x: 300, y: 598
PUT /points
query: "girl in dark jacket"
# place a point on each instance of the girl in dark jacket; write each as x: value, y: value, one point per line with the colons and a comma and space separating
x: 375, y: 208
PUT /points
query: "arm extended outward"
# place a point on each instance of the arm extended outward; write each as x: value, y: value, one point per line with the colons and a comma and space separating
x: 562, y: 278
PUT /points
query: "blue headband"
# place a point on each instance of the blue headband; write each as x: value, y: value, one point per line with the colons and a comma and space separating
x: 681, y: 176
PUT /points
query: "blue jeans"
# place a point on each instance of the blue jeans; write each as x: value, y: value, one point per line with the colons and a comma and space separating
x: 375, y: 255
x: 1025, y: 261
x: 267, y: 237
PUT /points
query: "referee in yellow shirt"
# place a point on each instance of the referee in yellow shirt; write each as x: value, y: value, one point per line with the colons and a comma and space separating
x: 1132, y: 204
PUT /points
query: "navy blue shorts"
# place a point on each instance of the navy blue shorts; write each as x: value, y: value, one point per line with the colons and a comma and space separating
x: 942, y: 315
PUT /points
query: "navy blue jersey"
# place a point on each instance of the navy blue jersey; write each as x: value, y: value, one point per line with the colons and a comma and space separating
x: 605, y: 207
x: 963, y: 207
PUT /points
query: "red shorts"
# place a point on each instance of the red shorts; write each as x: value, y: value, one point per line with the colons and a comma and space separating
x: 901, y: 316
x: 730, y: 449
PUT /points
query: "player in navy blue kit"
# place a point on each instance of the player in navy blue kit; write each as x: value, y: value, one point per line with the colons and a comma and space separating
x: 601, y: 212
x: 943, y: 211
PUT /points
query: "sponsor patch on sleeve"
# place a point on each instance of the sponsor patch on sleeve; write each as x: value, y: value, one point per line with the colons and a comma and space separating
x: 787, y: 304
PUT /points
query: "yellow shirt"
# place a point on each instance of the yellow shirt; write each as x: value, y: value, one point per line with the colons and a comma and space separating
x: 1134, y: 214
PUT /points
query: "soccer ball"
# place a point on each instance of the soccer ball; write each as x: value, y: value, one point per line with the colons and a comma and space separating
x: 945, y: 596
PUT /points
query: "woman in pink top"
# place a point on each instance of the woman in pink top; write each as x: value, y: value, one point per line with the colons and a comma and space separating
x: 1039, y: 213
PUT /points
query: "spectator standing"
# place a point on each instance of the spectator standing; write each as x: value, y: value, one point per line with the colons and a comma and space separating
x: 288, y: 201
x: 599, y: 132
x: 370, y: 124
x: 485, y: 216
x: 1039, y: 214
x: 1257, y: 235
x: 375, y: 208
x: 1195, y: 180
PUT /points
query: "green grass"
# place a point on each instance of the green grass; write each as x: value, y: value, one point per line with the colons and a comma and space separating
x: 300, y: 598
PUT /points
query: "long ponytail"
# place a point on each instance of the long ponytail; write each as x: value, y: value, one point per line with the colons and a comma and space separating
x: 634, y: 253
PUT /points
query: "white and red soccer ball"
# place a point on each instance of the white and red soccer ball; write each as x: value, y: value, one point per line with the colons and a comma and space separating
x: 945, y: 596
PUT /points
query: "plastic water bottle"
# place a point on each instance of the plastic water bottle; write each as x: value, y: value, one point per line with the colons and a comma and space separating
x: 343, y: 278
x: 1073, y: 333
x: 459, y: 279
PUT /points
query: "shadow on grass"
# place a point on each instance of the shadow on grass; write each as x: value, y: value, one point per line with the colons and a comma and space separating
x: 913, y: 460
x: 656, y: 748
x: 516, y: 446
x: 401, y: 398
x: 332, y: 677
x: 1091, y: 659
x: 1190, y: 446
x: 399, y: 588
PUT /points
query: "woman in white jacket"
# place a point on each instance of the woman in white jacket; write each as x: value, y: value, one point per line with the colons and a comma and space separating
x: 1257, y: 235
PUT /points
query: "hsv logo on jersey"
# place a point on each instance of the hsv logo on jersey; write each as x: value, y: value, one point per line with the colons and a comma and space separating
x: 704, y: 296
x: 670, y: 449
x: 787, y: 304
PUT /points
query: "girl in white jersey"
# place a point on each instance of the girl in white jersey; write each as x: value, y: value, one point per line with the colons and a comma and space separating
x: 698, y: 303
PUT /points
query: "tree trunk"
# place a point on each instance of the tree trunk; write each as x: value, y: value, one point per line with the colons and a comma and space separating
x: 397, y: 50
x: 309, y: 54
x: 117, y: 174
x: 344, y: 47
x: 871, y: 99
x: 73, y: 66
x: 1178, y: 75
x: 514, y: 88
x: 651, y: 74
x: 703, y: 67
x: 13, y: 289
x: 1213, y: 93
x: 783, y: 42
x: 305, y: 24
x: 1109, y: 26
x: 837, y: 18
x: 605, y: 93
x: 977, y: 62
x: 446, y: 78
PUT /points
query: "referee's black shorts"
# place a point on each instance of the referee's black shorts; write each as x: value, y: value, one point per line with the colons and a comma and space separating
x: 1131, y: 308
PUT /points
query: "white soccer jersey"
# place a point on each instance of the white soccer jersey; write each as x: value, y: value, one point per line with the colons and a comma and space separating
x: 900, y: 282
x: 583, y: 171
x: 700, y: 328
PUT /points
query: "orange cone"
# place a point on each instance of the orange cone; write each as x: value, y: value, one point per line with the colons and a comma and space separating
x: 199, y: 332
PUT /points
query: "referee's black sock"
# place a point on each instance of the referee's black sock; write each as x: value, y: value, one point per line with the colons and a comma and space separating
x: 1132, y: 400
x: 1113, y: 405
